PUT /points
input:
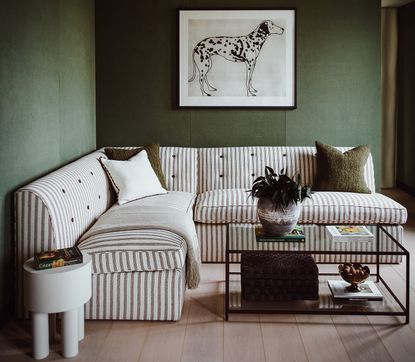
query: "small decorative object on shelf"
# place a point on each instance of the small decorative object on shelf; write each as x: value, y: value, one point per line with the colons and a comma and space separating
x: 296, y: 235
x: 57, y: 258
x: 279, y: 198
x: 354, y: 274
x: 368, y: 291
x: 346, y: 233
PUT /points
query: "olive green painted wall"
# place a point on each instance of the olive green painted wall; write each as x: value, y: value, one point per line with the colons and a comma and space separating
x: 47, y: 100
x: 406, y: 97
x: 338, y: 72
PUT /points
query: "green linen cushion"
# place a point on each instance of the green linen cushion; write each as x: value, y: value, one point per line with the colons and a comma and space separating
x: 153, y: 152
x: 338, y: 171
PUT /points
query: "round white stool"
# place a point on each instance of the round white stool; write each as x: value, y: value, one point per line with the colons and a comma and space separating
x: 57, y: 290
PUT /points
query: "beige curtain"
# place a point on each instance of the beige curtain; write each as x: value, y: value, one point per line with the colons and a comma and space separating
x: 389, y: 38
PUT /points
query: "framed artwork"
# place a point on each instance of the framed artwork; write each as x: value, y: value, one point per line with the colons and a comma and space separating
x: 237, y: 58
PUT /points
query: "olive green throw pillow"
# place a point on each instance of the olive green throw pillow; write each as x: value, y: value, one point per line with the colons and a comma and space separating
x: 338, y: 171
x: 153, y: 153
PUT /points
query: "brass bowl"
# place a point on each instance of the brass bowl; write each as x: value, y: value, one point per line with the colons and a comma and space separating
x: 354, y: 274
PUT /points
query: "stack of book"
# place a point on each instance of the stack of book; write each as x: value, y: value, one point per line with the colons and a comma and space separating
x: 297, y: 235
x: 368, y: 291
x: 346, y: 233
x: 57, y: 258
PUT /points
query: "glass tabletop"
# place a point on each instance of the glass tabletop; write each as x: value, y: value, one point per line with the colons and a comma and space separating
x: 318, y: 239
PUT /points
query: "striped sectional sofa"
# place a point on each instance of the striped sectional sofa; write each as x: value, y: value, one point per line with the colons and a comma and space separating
x: 141, y: 282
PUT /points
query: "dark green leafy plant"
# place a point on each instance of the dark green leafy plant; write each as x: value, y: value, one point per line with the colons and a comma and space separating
x: 279, y: 188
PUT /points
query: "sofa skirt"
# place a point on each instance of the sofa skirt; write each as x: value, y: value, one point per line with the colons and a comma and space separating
x: 157, y: 295
x: 212, y: 239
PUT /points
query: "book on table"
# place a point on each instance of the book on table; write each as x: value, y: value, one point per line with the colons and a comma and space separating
x: 368, y: 291
x: 58, y: 258
x: 346, y: 233
x: 297, y: 235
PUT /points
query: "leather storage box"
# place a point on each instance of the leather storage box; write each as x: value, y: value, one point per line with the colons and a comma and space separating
x: 272, y: 277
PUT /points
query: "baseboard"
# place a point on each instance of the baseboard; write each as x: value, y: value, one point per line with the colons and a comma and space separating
x: 408, y: 189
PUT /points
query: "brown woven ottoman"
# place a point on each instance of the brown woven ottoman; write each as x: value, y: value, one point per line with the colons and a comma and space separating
x: 278, y: 277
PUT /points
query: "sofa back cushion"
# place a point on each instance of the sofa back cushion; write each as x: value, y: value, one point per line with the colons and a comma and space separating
x: 237, y: 167
x: 179, y: 165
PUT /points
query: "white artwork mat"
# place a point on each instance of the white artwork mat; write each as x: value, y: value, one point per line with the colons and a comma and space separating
x: 223, y: 45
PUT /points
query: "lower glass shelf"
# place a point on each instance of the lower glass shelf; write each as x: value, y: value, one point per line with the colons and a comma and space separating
x: 325, y: 303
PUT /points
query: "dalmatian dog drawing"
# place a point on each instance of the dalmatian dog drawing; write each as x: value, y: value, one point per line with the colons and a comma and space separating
x: 245, y: 48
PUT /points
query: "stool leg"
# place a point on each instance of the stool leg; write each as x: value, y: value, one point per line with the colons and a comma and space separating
x: 70, y: 333
x: 40, y: 331
x: 81, y: 333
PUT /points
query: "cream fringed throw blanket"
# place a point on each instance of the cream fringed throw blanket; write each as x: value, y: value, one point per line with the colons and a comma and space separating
x: 134, y: 217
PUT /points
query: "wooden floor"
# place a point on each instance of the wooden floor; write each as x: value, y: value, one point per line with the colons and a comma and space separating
x: 202, y: 335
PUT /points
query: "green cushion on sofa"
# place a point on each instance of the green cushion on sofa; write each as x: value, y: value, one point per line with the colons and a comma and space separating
x: 153, y: 152
x: 338, y: 171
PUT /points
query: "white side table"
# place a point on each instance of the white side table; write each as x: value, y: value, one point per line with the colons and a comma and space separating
x: 58, y: 290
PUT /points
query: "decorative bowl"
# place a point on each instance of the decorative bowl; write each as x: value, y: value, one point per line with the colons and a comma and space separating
x: 354, y: 274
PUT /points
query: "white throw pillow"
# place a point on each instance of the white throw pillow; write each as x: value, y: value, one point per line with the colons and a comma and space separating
x: 133, y: 179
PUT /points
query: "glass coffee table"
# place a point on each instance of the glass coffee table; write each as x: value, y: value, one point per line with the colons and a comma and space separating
x: 381, y: 251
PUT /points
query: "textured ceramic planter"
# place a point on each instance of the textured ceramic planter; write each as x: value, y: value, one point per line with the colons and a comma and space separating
x: 278, y: 221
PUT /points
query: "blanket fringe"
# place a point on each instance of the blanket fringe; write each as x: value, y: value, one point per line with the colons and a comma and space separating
x: 192, y: 273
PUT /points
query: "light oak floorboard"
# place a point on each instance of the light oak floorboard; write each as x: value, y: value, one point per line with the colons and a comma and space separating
x: 204, y: 331
x: 360, y: 339
x: 124, y: 341
x: 243, y: 339
x: 321, y: 340
x: 282, y: 338
x: 165, y: 340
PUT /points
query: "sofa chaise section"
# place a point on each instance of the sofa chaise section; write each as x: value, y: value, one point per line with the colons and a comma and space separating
x: 57, y: 209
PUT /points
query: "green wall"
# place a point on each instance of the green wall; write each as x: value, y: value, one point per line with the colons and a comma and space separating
x: 47, y: 100
x: 406, y: 98
x: 338, y: 78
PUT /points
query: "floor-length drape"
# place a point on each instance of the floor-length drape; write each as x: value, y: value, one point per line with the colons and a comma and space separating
x: 389, y: 38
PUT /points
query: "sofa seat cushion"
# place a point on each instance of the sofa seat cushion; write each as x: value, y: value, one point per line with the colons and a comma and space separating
x: 147, y: 249
x: 350, y: 207
x: 225, y: 206
x: 234, y: 206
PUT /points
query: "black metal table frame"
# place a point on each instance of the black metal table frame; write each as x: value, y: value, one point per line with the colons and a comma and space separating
x: 377, y: 253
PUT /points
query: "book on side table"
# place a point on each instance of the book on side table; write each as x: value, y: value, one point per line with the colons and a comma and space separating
x: 297, y: 235
x: 57, y: 258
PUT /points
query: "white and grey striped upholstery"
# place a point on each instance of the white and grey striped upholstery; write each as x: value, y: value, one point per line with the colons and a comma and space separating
x: 235, y: 206
x: 157, y: 295
x: 140, y: 249
x: 179, y: 165
x: 237, y: 167
x: 138, y: 283
x: 55, y: 210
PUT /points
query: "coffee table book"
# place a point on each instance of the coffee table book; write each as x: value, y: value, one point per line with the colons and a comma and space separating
x: 368, y: 291
x: 297, y: 235
x: 346, y: 233
x: 58, y: 258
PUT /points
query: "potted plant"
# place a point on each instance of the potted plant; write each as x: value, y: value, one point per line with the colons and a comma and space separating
x: 279, y: 199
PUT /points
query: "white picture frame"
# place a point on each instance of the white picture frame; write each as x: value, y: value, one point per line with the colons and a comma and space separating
x: 237, y: 58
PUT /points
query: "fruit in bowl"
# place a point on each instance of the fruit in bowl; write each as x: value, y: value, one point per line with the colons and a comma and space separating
x: 354, y: 274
